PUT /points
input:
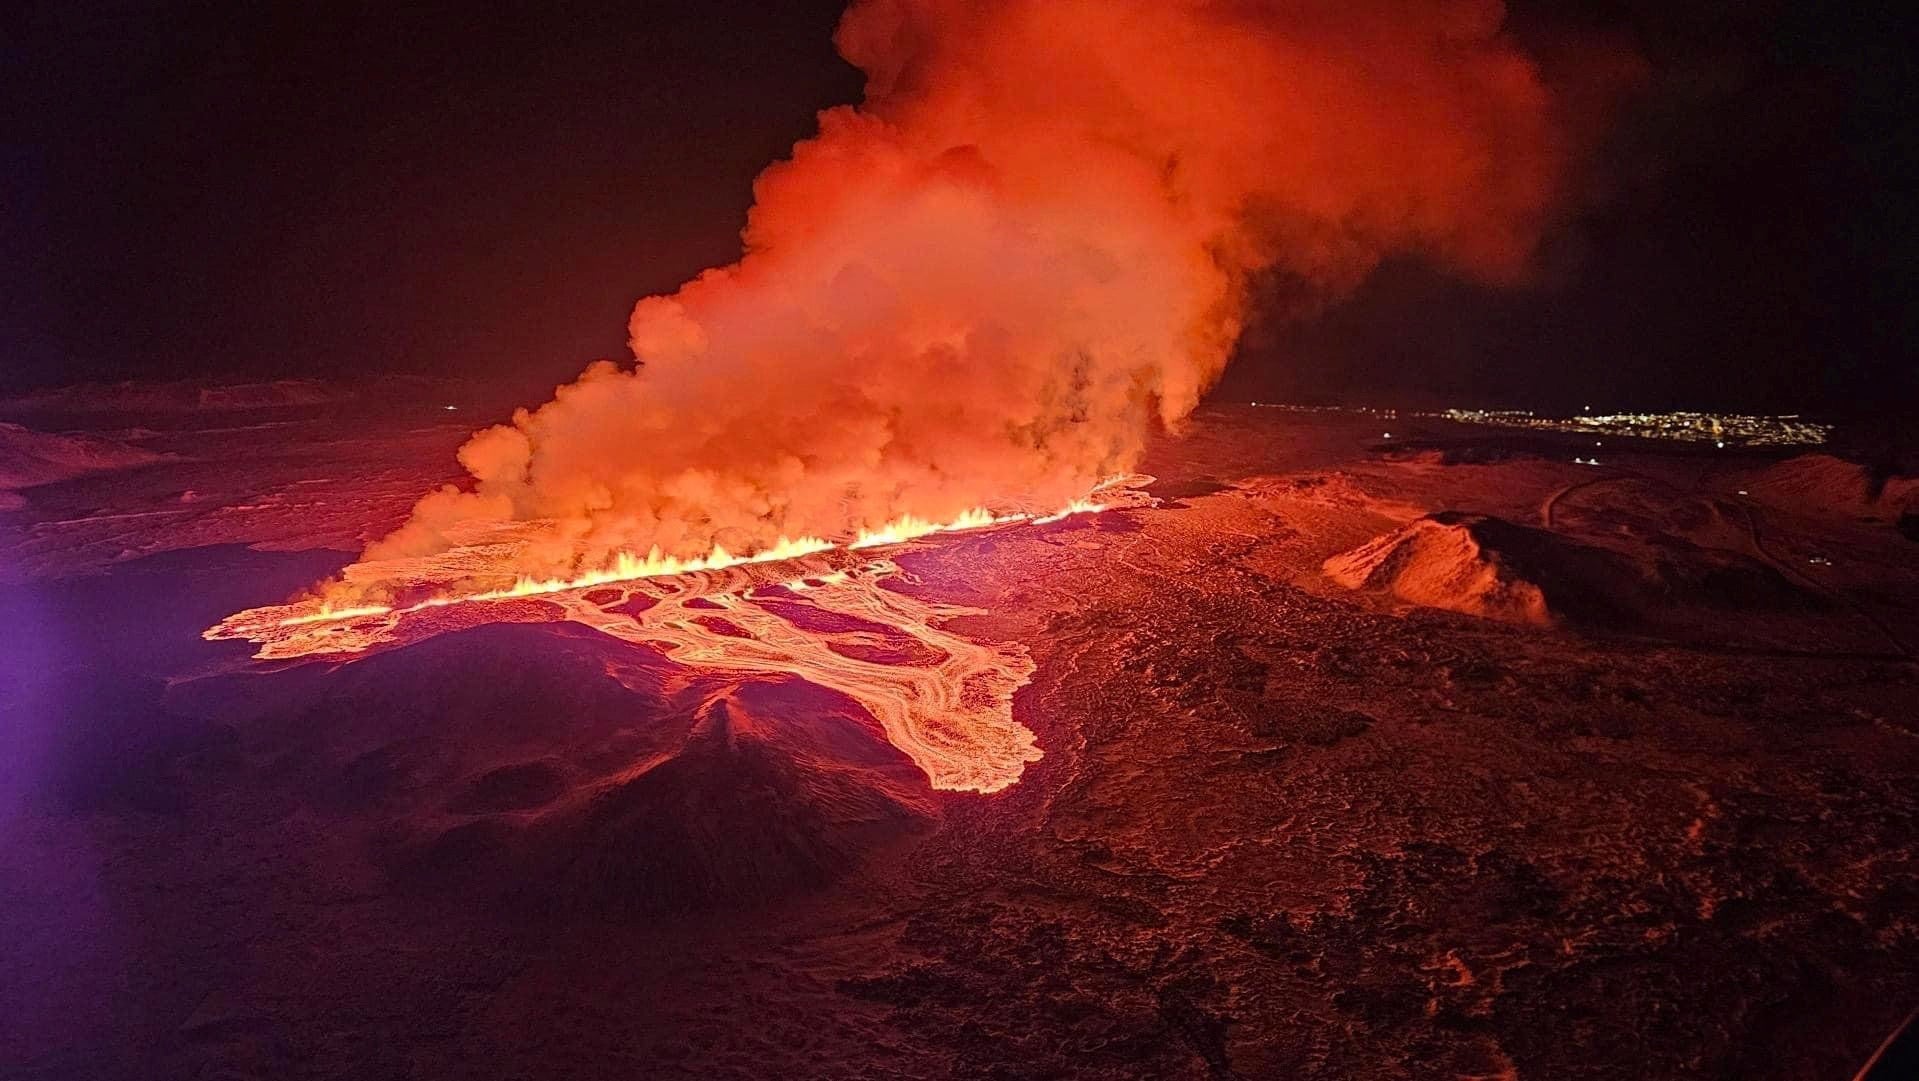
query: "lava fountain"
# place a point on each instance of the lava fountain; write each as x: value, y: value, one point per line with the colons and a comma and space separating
x: 823, y: 612
x: 1031, y: 245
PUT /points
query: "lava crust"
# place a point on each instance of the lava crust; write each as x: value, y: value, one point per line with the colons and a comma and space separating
x: 1147, y: 793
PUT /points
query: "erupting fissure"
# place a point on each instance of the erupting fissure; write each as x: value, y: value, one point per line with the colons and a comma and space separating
x: 627, y: 567
x: 1030, y: 246
x: 814, y: 610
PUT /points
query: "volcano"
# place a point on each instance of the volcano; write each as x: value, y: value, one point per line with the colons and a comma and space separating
x: 1313, y: 757
x: 904, y: 652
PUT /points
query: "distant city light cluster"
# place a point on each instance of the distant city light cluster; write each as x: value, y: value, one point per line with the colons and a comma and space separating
x: 1719, y: 429
x: 1364, y: 410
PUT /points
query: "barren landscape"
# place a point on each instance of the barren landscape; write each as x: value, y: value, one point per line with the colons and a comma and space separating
x: 1030, y: 540
x: 1326, y: 754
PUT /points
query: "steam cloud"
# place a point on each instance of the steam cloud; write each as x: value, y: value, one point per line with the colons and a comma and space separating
x: 1032, y: 243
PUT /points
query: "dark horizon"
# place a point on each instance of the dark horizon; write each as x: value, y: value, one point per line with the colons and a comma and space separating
x: 220, y: 193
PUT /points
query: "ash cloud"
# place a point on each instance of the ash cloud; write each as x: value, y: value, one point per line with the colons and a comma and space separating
x: 1028, y: 247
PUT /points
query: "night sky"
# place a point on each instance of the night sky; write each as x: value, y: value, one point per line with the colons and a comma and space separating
x: 253, y: 191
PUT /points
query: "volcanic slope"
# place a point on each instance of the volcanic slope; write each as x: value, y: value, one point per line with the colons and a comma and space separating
x: 1278, y: 828
x: 552, y: 768
x: 1493, y: 568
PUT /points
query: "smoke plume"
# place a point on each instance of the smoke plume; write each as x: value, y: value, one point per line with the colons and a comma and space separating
x: 1028, y: 247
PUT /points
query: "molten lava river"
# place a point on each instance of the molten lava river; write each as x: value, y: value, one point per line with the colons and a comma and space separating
x: 829, y: 614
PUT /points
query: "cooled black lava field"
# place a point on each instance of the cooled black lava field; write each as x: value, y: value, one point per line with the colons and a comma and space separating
x: 1438, y: 756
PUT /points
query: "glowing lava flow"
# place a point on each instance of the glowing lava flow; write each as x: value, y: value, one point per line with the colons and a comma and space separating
x: 626, y: 567
x: 810, y: 609
x: 943, y: 700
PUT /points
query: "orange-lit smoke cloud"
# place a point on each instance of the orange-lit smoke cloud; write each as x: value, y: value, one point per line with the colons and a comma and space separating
x: 1030, y: 244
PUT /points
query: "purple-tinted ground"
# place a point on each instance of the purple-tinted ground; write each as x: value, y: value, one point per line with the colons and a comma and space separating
x: 1282, y: 828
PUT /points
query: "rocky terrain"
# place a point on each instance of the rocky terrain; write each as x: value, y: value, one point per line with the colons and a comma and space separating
x: 1444, y: 756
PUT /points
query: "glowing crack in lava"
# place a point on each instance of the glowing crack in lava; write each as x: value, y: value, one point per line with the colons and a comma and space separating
x: 945, y: 701
x: 822, y: 612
